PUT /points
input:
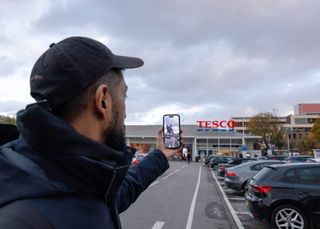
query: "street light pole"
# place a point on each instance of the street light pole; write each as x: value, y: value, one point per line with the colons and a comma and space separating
x: 288, y: 139
x: 288, y: 143
x: 243, y: 142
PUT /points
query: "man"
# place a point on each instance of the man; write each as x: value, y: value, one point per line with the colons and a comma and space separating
x: 69, y: 167
x: 189, y: 157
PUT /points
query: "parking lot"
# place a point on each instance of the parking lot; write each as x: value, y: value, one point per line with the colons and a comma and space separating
x: 194, y: 196
x: 190, y: 196
x: 237, y: 203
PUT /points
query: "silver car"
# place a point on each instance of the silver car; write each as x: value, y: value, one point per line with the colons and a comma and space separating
x: 236, y: 177
x: 314, y: 160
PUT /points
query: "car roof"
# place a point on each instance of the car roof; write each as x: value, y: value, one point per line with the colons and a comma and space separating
x: 301, y: 156
x: 262, y: 161
x: 315, y: 158
x: 296, y: 165
x: 250, y: 163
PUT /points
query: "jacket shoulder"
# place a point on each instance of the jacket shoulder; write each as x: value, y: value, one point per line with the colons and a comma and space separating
x: 73, y: 211
x: 19, y: 215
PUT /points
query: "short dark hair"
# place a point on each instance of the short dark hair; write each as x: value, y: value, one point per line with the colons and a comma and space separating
x: 73, y: 108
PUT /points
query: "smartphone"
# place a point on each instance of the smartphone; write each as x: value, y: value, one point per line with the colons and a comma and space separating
x: 171, y: 130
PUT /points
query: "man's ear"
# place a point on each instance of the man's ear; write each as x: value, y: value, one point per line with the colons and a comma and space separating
x: 102, y: 98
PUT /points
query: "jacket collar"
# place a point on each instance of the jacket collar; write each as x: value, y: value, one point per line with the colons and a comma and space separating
x: 69, y: 157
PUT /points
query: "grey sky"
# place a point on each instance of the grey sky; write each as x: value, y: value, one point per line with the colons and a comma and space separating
x: 205, y: 59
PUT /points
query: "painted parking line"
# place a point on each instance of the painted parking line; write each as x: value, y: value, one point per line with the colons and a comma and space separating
x: 229, y: 190
x: 232, y: 211
x: 245, y: 213
x: 177, y: 170
x: 193, y: 203
x: 234, y: 198
x: 158, y: 225
x: 156, y: 182
x: 168, y: 176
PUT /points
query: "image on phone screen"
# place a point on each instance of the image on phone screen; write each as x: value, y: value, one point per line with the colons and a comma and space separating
x: 171, y: 126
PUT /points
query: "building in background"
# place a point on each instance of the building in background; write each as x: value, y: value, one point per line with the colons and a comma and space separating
x: 198, y: 141
x: 296, y: 126
x: 242, y: 123
x: 307, y: 109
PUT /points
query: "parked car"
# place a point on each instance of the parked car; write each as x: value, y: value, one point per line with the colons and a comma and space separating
x: 219, y: 160
x: 235, y: 161
x: 278, y: 157
x: 237, y: 176
x: 314, y: 159
x: 287, y: 195
x: 136, y: 160
x: 300, y: 158
x: 206, y: 162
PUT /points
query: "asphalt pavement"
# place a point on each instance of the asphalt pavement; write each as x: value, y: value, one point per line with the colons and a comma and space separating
x: 185, y: 196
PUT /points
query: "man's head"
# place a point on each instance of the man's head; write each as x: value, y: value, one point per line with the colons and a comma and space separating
x: 81, y: 81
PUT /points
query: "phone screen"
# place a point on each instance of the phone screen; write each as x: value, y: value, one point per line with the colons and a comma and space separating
x: 171, y: 127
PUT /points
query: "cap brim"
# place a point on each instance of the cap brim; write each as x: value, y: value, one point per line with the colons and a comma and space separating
x: 127, y: 62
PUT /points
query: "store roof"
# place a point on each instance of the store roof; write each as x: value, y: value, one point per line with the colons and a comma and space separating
x: 188, y: 131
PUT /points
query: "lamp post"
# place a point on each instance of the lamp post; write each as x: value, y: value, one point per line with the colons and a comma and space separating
x: 288, y: 139
x: 243, y: 147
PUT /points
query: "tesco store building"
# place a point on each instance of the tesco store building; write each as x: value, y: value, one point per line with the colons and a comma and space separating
x: 198, y: 141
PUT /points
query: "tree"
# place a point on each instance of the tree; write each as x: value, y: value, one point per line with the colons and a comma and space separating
x: 307, y: 143
x: 7, y: 120
x: 316, y: 131
x: 278, y: 138
x: 268, y: 127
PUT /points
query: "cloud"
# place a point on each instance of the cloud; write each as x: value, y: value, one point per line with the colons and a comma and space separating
x: 204, y: 59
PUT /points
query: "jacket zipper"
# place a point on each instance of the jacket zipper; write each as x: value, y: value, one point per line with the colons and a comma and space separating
x: 110, y: 185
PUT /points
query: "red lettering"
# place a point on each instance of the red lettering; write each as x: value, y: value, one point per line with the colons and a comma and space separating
x: 221, y: 122
x: 215, y: 124
x: 232, y: 124
x: 200, y: 123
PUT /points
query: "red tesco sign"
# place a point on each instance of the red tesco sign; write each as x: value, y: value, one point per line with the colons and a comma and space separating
x: 216, y: 124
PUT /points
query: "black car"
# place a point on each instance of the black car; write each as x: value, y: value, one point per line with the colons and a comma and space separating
x: 219, y: 160
x: 235, y: 161
x: 278, y: 157
x: 206, y: 162
x: 287, y: 195
x: 296, y: 159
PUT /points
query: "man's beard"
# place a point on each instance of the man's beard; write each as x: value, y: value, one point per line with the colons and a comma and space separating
x: 115, y: 134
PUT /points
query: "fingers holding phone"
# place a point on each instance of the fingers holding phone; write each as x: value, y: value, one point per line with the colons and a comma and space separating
x: 161, y: 146
x: 169, y: 137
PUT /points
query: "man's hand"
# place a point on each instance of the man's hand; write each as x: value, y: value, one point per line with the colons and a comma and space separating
x: 160, y: 145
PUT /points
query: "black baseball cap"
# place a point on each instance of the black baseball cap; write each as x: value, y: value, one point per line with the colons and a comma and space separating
x: 71, y: 65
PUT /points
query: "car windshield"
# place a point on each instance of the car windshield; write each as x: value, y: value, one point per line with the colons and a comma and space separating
x: 264, y: 173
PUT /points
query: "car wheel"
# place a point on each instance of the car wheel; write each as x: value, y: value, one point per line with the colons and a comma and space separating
x: 288, y: 216
x: 244, y: 186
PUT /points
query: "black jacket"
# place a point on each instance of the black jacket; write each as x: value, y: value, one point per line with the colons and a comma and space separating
x: 65, y: 179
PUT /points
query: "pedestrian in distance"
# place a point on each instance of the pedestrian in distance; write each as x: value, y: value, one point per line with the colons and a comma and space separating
x: 189, y: 157
x: 69, y: 167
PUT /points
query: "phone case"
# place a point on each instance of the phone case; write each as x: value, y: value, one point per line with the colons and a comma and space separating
x: 171, y: 135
